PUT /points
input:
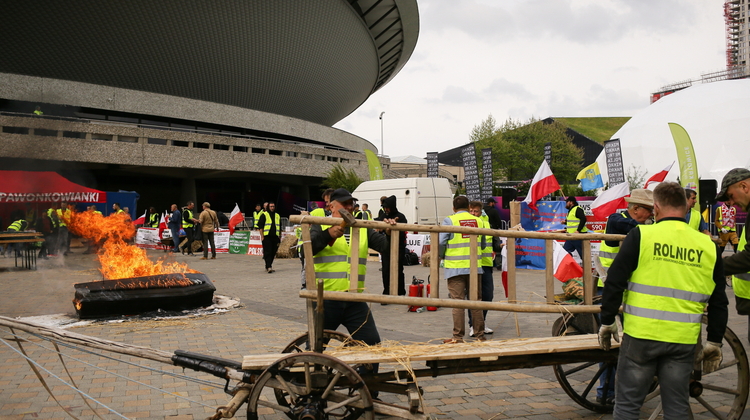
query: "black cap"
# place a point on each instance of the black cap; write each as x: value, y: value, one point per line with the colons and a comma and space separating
x: 732, y: 177
x: 341, y: 195
x: 490, y: 200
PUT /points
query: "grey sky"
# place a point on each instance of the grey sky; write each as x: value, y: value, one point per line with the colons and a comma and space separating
x: 536, y: 58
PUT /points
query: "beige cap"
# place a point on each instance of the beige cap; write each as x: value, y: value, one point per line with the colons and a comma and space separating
x: 641, y: 196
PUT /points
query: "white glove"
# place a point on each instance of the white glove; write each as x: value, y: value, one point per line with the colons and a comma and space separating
x: 606, y: 332
x: 711, y: 356
x: 724, y: 230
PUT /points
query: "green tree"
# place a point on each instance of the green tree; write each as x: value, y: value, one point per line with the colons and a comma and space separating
x: 340, y: 177
x: 518, y: 148
x: 635, y: 177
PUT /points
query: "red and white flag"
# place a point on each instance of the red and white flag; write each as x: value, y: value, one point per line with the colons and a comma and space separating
x: 162, y: 223
x: 658, y: 178
x: 544, y: 183
x: 565, y: 266
x: 235, y: 218
x: 611, y: 200
x: 141, y: 220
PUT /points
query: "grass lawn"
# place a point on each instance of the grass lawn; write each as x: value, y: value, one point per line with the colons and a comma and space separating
x: 598, y: 129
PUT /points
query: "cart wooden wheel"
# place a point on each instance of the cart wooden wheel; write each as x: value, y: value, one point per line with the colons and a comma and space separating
x: 721, y: 394
x: 330, y: 338
x: 580, y: 380
x: 314, y: 386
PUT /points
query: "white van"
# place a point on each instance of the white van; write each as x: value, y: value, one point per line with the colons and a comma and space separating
x: 425, y: 201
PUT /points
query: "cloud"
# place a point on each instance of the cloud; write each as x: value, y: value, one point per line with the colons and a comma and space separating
x: 502, y: 86
x: 457, y: 94
x: 582, y: 22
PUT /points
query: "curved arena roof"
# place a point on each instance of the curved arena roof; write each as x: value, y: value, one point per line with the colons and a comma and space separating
x: 312, y: 60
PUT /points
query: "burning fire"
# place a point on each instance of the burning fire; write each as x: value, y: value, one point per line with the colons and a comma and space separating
x: 119, y: 259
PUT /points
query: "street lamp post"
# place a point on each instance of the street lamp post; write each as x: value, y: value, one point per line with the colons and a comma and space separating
x: 381, y: 134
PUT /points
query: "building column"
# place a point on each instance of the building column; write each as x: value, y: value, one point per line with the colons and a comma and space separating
x: 188, y: 192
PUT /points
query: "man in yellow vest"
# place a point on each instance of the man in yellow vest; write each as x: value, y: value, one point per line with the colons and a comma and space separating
x: 575, y: 223
x: 725, y: 222
x: 256, y: 216
x: 63, y: 235
x: 188, y: 224
x: 454, y: 250
x: 692, y: 216
x: 671, y: 273
x: 486, y: 280
x: 736, y: 187
x: 640, y: 208
x: 331, y: 249
x: 270, y: 235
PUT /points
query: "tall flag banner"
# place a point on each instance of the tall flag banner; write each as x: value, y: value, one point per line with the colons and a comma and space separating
x: 162, y: 223
x: 471, y: 172
x: 432, y: 164
x: 657, y: 178
x: 544, y: 183
x: 590, y: 177
x: 611, y: 200
x: 614, y: 162
x: 686, y: 157
x: 235, y: 218
x: 487, y: 179
x: 373, y: 163
x: 548, y: 152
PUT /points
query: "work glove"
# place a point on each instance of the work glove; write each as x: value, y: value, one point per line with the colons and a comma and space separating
x: 606, y: 332
x: 711, y: 356
x: 724, y: 230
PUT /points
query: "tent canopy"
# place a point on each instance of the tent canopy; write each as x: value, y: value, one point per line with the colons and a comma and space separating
x: 44, y: 187
x: 715, y: 115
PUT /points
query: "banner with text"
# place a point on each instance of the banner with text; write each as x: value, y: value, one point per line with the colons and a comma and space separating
x: 432, y: 164
x: 614, y: 162
x: 488, y: 181
x: 471, y: 172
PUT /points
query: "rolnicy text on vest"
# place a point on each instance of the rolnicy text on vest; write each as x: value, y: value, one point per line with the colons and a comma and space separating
x: 677, y: 254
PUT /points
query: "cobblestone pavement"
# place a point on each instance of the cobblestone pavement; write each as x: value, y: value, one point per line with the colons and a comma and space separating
x: 271, y: 316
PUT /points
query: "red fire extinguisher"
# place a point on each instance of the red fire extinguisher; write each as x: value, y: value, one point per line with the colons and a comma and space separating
x: 415, y: 290
x: 430, y: 308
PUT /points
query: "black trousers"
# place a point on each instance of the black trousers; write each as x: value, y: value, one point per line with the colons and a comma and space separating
x: 387, y: 272
x: 208, y: 238
x: 270, y: 245
x: 190, y: 236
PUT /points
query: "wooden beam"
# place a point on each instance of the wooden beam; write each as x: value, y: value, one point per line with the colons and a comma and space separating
x: 435, y: 264
x: 549, y: 271
x: 588, y: 281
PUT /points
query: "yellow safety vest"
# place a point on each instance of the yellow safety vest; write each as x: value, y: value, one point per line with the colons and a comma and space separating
x: 319, y: 212
x: 669, y: 291
x: 695, y: 219
x: 153, y: 220
x: 486, y: 260
x: 189, y: 222
x: 741, y: 282
x: 17, y: 226
x: 332, y: 263
x: 573, y: 222
x: 608, y: 253
x: 458, y: 250
x: 256, y: 216
x: 267, y: 225
x: 60, y: 213
x: 54, y: 221
x: 97, y: 212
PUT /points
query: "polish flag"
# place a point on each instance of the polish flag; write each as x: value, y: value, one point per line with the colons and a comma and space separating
x: 659, y: 177
x: 565, y: 266
x: 162, y: 223
x: 544, y: 183
x: 235, y: 218
x: 141, y: 220
x: 611, y: 200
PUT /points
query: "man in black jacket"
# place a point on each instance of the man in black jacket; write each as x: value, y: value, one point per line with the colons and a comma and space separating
x: 391, y: 212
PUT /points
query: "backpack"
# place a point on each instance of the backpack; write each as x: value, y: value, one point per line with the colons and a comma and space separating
x: 411, y: 257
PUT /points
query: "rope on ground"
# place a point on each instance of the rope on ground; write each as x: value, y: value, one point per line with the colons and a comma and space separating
x: 36, y: 365
x: 119, y: 376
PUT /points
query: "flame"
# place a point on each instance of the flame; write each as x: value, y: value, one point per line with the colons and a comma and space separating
x: 119, y: 259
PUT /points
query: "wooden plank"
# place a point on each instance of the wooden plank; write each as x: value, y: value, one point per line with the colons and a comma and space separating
x: 354, y: 260
x: 409, y: 227
x: 549, y: 271
x: 473, y: 268
x: 393, y: 267
x: 488, y: 350
x: 434, y: 264
x: 588, y: 281
x: 452, y: 303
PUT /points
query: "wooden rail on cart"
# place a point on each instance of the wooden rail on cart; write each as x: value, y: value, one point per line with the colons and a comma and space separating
x: 434, y: 232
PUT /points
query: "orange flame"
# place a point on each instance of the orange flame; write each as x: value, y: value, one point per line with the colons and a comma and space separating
x: 119, y: 259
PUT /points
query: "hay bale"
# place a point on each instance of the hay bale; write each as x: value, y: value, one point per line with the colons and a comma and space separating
x: 426, y: 259
x: 285, y: 247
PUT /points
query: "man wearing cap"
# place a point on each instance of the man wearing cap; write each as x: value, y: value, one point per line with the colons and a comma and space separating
x: 331, y: 249
x: 671, y: 273
x: 640, y: 208
x: 269, y: 226
x: 575, y: 223
x: 736, y: 187
x: 209, y: 224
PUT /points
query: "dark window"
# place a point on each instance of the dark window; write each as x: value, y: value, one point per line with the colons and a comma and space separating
x: 74, y: 134
x: 105, y: 137
x: 127, y: 139
x: 239, y: 149
x: 259, y: 151
x: 198, y: 145
x: 180, y: 143
x: 221, y: 147
x: 15, y: 130
x: 275, y: 152
x: 162, y: 142
x: 45, y: 133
